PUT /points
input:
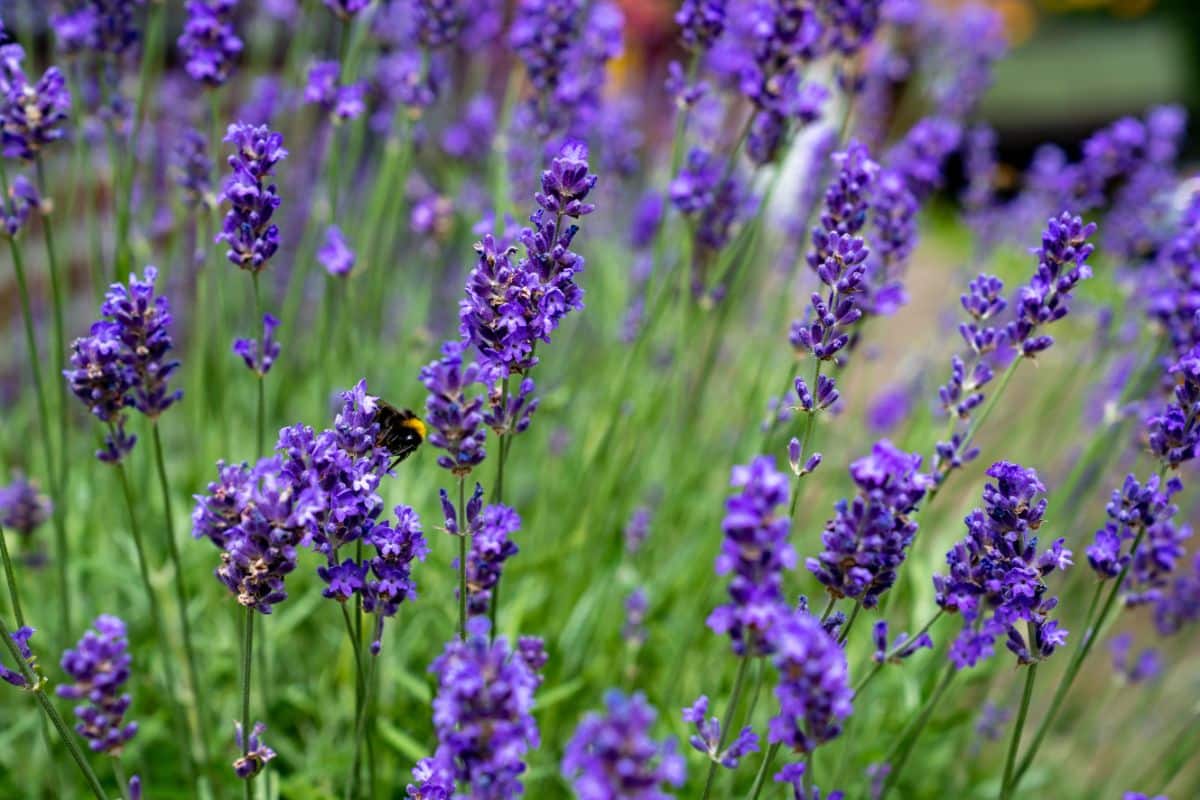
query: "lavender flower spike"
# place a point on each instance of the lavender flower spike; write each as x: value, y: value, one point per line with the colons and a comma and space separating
x: 259, y: 355
x: 1062, y: 264
x: 257, y: 753
x: 335, y: 254
x: 813, y: 692
x: 31, y: 115
x: 142, y: 322
x: 247, y: 229
x: 99, y: 664
x: 208, y: 41
x: 455, y: 421
x: 20, y: 638
x: 22, y: 507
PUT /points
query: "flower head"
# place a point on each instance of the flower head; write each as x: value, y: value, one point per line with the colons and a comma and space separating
x: 813, y: 692
x: 247, y: 229
x: 257, y: 753
x: 22, y: 507
x: 32, y: 115
x: 99, y: 666
x: 491, y: 546
x: 454, y: 419
x: 611, y: 754
x: 1062, y: 264
x: 142, y: 322
x: 22, y: 200
x: 707, y: 738
x: 335, y: 254
x: 259, y: 355
x: 15, y: 677
x: 208, y: 41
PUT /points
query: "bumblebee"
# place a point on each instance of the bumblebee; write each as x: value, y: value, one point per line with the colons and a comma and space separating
x: 400, y: 431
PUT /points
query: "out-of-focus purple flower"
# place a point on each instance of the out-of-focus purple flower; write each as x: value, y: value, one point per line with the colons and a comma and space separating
x: 260, y: 354
x: 637, y: 529
x: 22, y: 507
x: 707, y: 738
x: 455, y: 420
x: 247, y: 229
x: 716, y: 202
x: 14, y: 677
x: 324, y: 90
x: 335, y: 254
x: 345, y: 9
x: 482, y: 715
x: 889, y: 408
x: 99, y: 666
x: 1062, y: 264
x: 470, y: 136
x: 208, y: 42
x: 32, y: 115
x: 1175, y: 431
x: 991, y: 721
x: 997, y: 577
x: 15, y: 208
x: 900, y: 649
x: 756, y: 550
x: 101, y: 26
x: 1175, y: 297
x: 964, y: 47
x: 814, y: 693
x: 612, y: 755
x: 390, y: 583
x: 194, y: 168
x: 700, y: 22
x: 919, y: 157
x: 1146, y: 667
x: 141, y: 321
x: 1180, y: 604
x: 1142, y: 512
x: 634, y: 630
x: 792, y: 776
x: 1142, y: 796
x: 867, y: 540
x: 257, y: 752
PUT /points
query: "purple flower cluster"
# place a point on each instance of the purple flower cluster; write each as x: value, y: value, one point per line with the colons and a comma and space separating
x: 716, y: 201
x: 259, y: 355
x: 342, y: 102
x: 482, y: 717
x: 22, y: 507
x: 814, y: 692
x: 838, y: 256
x: 1062, y: 263
x: 490, y: 548
x: 612, y: 755
x: 335, y: 254
x: 103, y: 27
x: 707, y: 738
x: 634, y: 629
x: 247, y: 229
x: 1179, y: 605
x: 15, y: 207
x: 194, y: 168
x: 123, y: 363
x: 511, y: 305
x: 996, y: 576
x: 257, y: 752
x: 1175, y: 430
x: 455, y: 420
x: 20, y: 637
x: 793, y: 776
x: 99, y: 666
x: 32, y: 115
x: 208, y: 42
x: 1146, y: 667
x: 700, y: 22
x: 867, y: 540
x: 1175, y: 297
x: 756, y: 550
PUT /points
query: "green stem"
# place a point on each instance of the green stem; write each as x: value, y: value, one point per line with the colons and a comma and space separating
x: 727, y: 723
x: 360, y: 726
x: 890, y: 654
x: 850, y: 622
x: 261, y: 427
x: 122, y: 781
x: 761, y: 778
x: 1006, y: 786
x: 247, y: 660
x: 462, y: 557
x: 355, y: 639
x: 60, y: 346
x: 902, y: 749
x: 160, y: 628
x: 977, y: 423
x: 198, y: 701
x: 12, y: 581
x: 35, y: 686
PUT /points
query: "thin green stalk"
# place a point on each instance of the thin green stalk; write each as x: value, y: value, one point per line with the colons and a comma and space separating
x: 60, y: 346
x: 247, y: 660
x: 122, y: 781
x: 35, y: 685
x: 898, y: 755
x: 39, y: 390
x: 850, y: 622
x: 462, y: 558
x: 890, y: 654
x: 261, y: 426
x: 977, y: 423
x: 731, y: 710
x: 9, y: 576
x: 355, y: 639
x: 1006, y: 785
x: 160, y: 628
x: 360, y: 726
x: 761, y: 778
x: 199, y: 705
x: 498, y: 497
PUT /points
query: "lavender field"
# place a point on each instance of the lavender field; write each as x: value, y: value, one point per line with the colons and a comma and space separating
x: 589, y: 399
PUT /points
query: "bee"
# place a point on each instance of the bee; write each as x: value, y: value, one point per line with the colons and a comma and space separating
x: 400, y: 431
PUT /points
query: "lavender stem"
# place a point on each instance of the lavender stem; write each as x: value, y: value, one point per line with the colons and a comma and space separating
x: 730, y: 714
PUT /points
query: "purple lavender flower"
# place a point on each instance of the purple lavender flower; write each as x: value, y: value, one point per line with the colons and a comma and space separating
x: 491, y: 546
x: 391, y: 583
x: 141, y: 321
x: 867, y: 540
x: 1175, y: 297
x: 22, y: 507
x: 793, y: 776
x: 1143, y: 512
x: 612, y: 755
x: 257, y: 752
x: 1142, y: 796
x: 634, y: 630
x: 259, y: 355
x: 32, y: 115
x: 1175, y: 431
x: 248, y: 230
x: 455, y: 420
x: 335, y: 254
x: 813, y: 692
x: 1146, y: 667
x: 637, y: 529
x: 20, y: 637
x: 102, y: 378
x: 1062, y: 263
x: 919, y: 157
x: 901, y: 648
x: 1180, y: 604
x: 345, y: 9
x: 22, y: 199
x: 889, y: 408
x: 208, y: 42
x: 470, y: 136
x: 482, y: 714
x: 893, y: 214
x: 99, y: 665
x: 717, y: 202
x: 511, y: 413
x: 323, y: 89
x: 965, y: 47
x: 105, y: 27
x: 440, y: 23
x: 997, y: 578
x: 700, y: 22
x: 756, y: 550
x: 707, y: 738
x: 194, y: 168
